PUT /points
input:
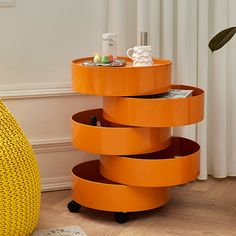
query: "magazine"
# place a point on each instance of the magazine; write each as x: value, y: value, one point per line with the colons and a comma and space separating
x: 176, y: 93
x: 173, y: 93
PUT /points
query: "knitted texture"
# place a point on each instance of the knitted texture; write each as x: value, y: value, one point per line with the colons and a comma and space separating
x: 19, y: 179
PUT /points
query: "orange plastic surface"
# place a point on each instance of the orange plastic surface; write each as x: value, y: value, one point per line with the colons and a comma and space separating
x: 90, y: 189
x: 178, y: 164
x: 121, y: 81
x: 156, y: 112
x: 114, y: 139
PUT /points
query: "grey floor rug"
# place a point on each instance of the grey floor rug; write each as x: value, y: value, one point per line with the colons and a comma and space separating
x: 67, y: 231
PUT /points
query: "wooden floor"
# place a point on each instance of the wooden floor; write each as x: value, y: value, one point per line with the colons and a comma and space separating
x: 198, y: 208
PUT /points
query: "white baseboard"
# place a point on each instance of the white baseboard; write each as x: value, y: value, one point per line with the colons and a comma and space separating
x: 56, y: 158
x: 57, y: 183
x: 52, y: 146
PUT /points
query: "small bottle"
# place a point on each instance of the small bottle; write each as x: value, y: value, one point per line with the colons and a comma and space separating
x: 144, y: 39
x: 109, y: 46
x: 93, y: 120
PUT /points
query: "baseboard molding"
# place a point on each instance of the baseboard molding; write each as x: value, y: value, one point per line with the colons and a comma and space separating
x: 52, y: 146
x: 23, y: 91
x: 58, y: 183
x: 48, y: 158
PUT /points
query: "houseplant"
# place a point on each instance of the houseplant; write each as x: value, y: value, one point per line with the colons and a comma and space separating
x: 220, y: 39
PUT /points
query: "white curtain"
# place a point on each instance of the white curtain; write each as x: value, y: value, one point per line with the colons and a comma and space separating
x: 180, y: 31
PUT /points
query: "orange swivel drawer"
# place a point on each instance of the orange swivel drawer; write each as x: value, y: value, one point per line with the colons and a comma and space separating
x: 177, y: 164
x: 115, y: 139
x: 156, y: 112
x: 139, y: 159
x: 121, y: 81
x: 94, y: 191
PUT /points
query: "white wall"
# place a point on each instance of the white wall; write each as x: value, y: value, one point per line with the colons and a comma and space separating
x: 46, y: 122
x: 39, y: 39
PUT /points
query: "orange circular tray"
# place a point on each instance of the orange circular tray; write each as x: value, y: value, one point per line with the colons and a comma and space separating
x: 121, y: 81
x: 156, y: 112
x: 90, y: 189
x: 115, y: 139
x: 178, y: 164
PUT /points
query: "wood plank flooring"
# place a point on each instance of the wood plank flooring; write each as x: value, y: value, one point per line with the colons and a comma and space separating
x: 198, y: 208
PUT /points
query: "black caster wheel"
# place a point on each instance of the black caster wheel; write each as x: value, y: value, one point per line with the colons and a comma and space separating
x: 121, y: 217
x: 73, y: 206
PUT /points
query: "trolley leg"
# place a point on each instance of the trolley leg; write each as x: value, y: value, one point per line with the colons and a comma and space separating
x: 121, y: 217
x: 73, y: 206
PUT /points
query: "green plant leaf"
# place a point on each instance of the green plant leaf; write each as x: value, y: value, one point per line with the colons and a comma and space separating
x: 220, y: 39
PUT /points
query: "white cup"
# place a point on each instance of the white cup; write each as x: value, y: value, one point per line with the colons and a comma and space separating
x: 140, y: 55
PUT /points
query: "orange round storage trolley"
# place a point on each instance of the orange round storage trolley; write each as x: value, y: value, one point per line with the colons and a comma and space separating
x: 140, y: 160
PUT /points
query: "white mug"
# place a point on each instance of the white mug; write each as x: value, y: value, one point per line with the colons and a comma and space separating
x: 140, y: 55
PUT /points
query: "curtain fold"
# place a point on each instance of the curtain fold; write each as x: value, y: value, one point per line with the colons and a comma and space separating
x: 117, y: 24
x: 231, y: 69
x: 167, y: 30
x: 186, y: 53
x: 217, y: 135
x: 180, y: 31
x: 202, y: 80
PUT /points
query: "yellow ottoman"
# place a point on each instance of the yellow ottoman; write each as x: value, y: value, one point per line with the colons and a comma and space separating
x: 19, y: 179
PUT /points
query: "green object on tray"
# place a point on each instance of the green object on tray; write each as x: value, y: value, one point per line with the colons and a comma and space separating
x: 116, y: 63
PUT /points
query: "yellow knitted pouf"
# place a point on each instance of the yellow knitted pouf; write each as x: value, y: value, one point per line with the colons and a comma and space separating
x: 19, y: 179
